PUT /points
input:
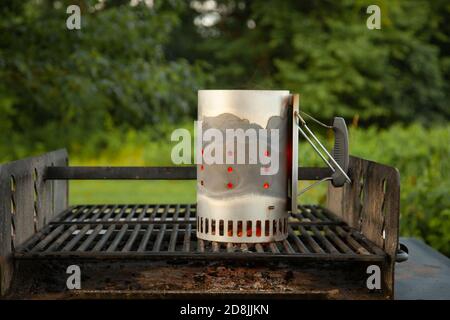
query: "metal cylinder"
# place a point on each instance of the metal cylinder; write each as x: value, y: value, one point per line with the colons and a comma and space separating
x: 243, y: 202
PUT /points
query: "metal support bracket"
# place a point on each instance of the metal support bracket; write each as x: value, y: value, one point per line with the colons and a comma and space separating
x: 339, y: 176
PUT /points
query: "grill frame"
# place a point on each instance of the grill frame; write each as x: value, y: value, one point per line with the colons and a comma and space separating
x: 34, y: 191
x: 167, y: 232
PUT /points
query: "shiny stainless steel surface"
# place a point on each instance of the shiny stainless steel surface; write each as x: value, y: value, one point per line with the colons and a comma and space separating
x: 243, y: 205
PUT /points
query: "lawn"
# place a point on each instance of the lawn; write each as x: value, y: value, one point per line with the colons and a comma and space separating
x: 119, y: 192
x: 99, y: 192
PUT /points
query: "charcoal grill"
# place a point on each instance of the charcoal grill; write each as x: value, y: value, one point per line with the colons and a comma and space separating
x: 168, y: 232
x: 151, y: 250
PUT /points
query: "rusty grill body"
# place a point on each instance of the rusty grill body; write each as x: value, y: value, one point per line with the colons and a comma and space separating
x: 155, y: 246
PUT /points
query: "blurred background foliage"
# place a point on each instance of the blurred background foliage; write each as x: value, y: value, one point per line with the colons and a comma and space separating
x: 113, y: 91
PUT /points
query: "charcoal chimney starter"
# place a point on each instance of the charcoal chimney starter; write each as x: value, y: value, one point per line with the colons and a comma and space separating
x: 245, y: 202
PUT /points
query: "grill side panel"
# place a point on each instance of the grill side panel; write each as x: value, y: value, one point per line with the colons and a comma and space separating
x: 28, y: 203
x: 371, y: 205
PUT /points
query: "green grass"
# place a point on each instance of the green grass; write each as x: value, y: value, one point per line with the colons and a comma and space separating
x: 119, y: 192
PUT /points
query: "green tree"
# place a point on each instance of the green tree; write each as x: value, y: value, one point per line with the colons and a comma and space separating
x: 60, y: 86
x: 324, y: 50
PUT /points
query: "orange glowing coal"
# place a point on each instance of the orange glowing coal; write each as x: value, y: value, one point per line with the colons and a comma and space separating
x: 249, y: 231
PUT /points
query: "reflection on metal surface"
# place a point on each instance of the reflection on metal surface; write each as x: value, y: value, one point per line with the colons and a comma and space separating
x: 241, y: 203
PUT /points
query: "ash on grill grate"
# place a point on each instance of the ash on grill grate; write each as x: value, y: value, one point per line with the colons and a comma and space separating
x: 168, y: 231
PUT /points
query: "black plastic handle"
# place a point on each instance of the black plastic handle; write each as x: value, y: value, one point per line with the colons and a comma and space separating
x: 402, y: 253
x: 340, y: 151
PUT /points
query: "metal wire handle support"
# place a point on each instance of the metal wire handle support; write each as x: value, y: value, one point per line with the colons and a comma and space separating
x: 302, y: 123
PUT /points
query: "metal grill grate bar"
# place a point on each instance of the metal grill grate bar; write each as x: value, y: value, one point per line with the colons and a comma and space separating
x: 148, y: 232
x: 329, y: 247
x: 110, y: 230
x: 188, y: 230
x: 300, y: 246
x: 162, y: 231
x: 136, y: 230
x: 174, y: 234
x: 315, y: 246
x: 97, y: 229
x: 168, y: 231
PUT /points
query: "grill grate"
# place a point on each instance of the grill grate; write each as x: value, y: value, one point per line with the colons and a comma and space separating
x: 168, y: 231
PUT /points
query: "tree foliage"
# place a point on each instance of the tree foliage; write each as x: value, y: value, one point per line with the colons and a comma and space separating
x: 59, y: 86
x: 323, y: 50
x: 133, y: 66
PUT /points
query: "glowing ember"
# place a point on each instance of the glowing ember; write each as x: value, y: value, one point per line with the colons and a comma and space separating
x: 249, y: 231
